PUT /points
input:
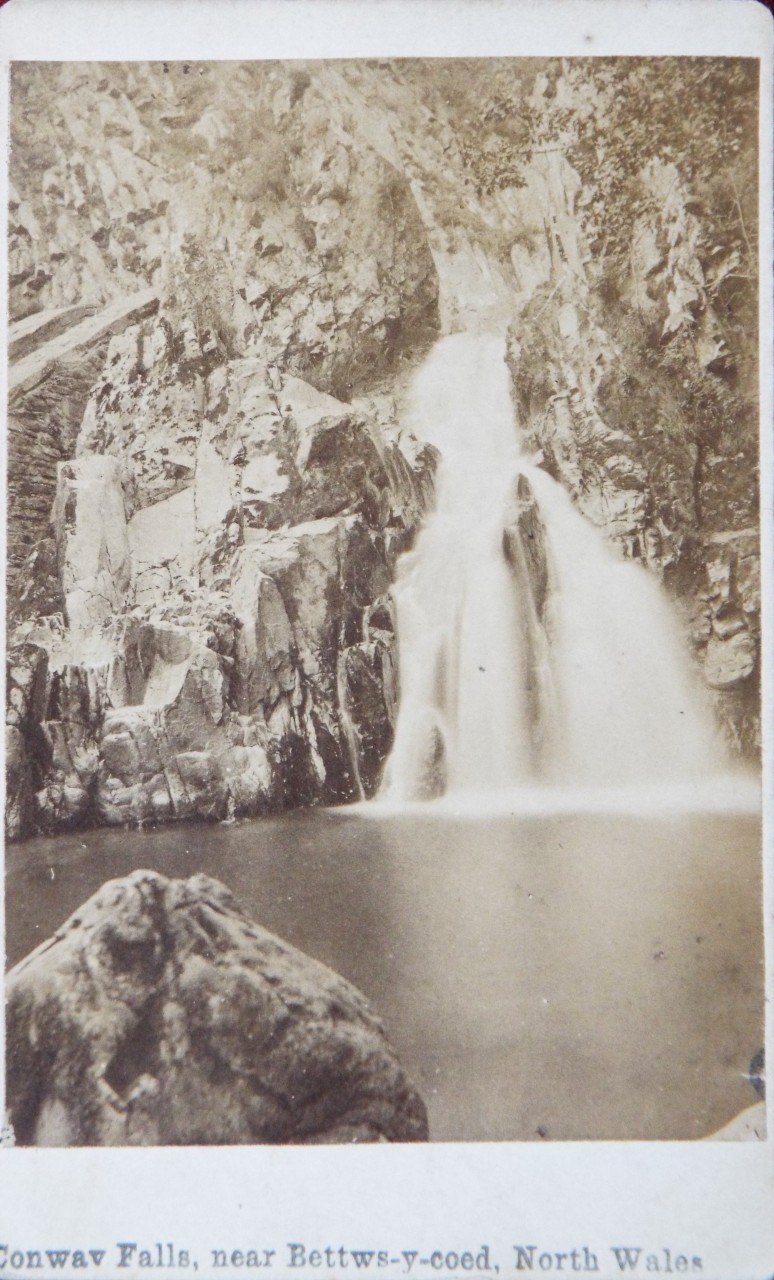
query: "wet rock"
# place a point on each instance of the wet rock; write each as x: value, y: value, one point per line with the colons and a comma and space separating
x: 160, y: 1014
x: 433, y: 775
x: 326, y: 573
x: 429, y: 752
x: 729, y: 660
x: 27, y: 751
x: 629, y: 386
x: 72, y: 725
x: 369, y: 683
x: 524, y: 542
x: 527, y: 552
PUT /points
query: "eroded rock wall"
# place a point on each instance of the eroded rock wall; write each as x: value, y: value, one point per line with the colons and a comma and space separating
x: 635, y: 382
x: 219, y: 628
x: 208, y: 562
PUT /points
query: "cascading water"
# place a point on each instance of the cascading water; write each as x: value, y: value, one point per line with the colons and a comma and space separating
x: 628, y: 710
x: 459, y: 642
x: 530, y: 652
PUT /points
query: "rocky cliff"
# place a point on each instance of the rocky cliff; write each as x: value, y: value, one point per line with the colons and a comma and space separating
x: 635, y: 359
x: 221, y: 459
x: 221, y: 278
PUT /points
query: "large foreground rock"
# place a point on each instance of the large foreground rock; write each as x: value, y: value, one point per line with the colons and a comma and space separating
x: 159, y: 1014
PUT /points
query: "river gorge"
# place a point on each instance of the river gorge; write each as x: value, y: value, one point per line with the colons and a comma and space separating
x: 383, y: 546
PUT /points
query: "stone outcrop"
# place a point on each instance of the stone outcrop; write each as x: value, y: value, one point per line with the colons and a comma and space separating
x: 76, y: 697
x: 230, y: 488
x: 160, y: 1015
x: 247, y: 196
x: 213, y: 663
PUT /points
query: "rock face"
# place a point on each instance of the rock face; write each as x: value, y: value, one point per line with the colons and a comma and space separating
x: 160, y: 1015
x: 635, y: 369
x: 221, y: 280
x: 248, y: 197
x: 53, y: 367
x: 25, y: 746
x: 228, y: 485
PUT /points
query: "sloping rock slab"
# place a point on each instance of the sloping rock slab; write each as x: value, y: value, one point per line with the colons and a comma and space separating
x: 159, y: 1014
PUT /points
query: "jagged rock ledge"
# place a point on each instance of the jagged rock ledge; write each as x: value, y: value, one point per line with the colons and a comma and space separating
x: 159, y: 1014
x: 226, y: 648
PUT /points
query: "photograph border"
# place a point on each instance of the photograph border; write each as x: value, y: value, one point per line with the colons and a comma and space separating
x: 706, y: 1201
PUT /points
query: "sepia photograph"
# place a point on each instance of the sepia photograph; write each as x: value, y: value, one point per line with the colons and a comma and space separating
x: 383, y: 747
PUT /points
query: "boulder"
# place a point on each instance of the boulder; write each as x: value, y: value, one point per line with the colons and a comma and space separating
x: 159, y: 1014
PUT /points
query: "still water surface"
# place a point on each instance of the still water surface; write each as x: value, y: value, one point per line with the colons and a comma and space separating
x: 555, y: 976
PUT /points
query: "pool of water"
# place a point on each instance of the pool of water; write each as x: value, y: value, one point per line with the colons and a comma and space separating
x: 551, y: 976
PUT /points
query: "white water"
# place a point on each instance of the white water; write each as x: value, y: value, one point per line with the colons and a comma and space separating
x: 619, y: 707
x: 457, y: 616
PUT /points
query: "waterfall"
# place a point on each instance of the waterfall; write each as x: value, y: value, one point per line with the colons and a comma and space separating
x: 628, y: 707
x: 530, y: 653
